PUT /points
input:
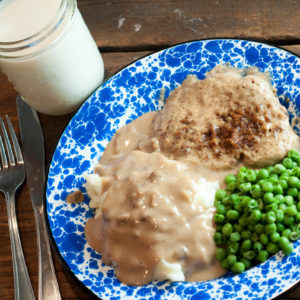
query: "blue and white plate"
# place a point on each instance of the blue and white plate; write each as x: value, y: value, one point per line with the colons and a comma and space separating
x: 130, y: 93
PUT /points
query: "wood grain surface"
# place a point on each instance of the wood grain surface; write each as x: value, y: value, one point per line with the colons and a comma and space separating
x: 126, y: 25
x: 126, y: 30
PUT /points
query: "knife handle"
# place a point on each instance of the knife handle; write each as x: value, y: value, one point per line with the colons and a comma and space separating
x: 48, y: 286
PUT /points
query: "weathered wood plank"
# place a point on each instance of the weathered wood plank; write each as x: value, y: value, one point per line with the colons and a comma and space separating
x: 156, y: 24
x: 293, y: 48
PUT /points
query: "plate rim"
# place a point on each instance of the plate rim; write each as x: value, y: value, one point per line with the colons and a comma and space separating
x: 48, y: 227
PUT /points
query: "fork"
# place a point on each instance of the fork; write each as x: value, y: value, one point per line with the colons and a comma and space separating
x: 12, y: 175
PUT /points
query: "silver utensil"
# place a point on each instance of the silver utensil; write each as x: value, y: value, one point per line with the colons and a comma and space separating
x: 33, y: 151
x: 12, y: 175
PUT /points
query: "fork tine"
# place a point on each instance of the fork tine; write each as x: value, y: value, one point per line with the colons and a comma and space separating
x: 14, y: 139
x: 7, y: 143
x: 3, y: 155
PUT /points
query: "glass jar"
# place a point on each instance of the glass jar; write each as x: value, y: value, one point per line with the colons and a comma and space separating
x: 58, y: 66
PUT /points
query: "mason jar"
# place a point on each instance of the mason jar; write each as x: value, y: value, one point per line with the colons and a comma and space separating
x: 48, y: 54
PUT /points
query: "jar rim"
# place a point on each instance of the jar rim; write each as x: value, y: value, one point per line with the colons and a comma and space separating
x: 38, y: 37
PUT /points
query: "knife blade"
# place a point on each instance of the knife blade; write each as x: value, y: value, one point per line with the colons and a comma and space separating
x: 34, y: 158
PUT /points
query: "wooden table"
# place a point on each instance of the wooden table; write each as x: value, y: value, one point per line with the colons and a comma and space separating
x: 126, y: 30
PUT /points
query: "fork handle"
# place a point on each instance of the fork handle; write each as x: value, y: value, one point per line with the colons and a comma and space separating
x: 22, y: 285
x: 48, y: 286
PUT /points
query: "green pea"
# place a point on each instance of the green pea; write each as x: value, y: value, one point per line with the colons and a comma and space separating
x: 220, y: 254
x: 283, y: 207
x: 264, y: 239
x: 270, y: 217
x: 251, y: 176
x: 262, y: 181
x: 294, y: 155
x: 232, y: 214
x: 219, y: 218
x: 241, y: 177
x: 272, y: 248
x: 279, y: 215
x: 238, y: 207
x: 274, y: 180
x: 283, y: 183
x: 257, y: 246
x: 277, y: 189
x: 263, y: 174
x: 288, y: 163
x: 270, y: 228
x: 275, y: 237
x: 293, y: 181
x: 238, y: 268
x: 252, y: 204
x: 225, y: 264
x: 273, y: 206
x: 231, y: 258
x: 246, y: 262
x: 286, y: 232
x: 262, y: 256
x: 256, y: 191
x: 227, y: 229
x: 280, y: 227
x: 246, y: 245
x: 235, y: 237
x: 267, y: 186
x: 288, y: 220
x: 292, y: 192
x: 218, y: 238
x: 285, y: 245
x: 297, y: 217
x: 243, y: 169
x: 291, y: 210
x: 294, y: 236
x: 220, y: 194
x: 225, y: 201
x: 246, y: 234
x: 231, y: 186
x: 279, y: 168
x: 268, y: 198
x: 295, y: 171
x: 221, y: 209
x: 260, y: 204
x: 259, y: 228
x: 256, y: 215
x: 280, y: 199
x: 245, y: 200
x: 286, y: 173
x: 235, y: 199
x: 245, y: 187
x: 249, y: 254
x: 230, y: 178
x: 233, y: 247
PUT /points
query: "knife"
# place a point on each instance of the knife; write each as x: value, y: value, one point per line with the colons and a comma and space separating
x: 34, y: 157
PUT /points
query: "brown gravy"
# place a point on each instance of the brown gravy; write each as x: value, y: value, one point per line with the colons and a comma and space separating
x: 75, y: 197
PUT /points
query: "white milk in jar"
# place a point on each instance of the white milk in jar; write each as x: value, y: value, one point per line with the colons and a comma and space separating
x: 48, y: 54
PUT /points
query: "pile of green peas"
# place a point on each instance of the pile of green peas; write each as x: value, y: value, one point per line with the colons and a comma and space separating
x: 258, y: 214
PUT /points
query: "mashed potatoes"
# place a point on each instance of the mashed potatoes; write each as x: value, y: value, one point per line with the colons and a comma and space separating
x: 156, y: 214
